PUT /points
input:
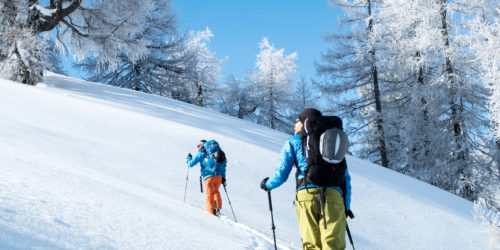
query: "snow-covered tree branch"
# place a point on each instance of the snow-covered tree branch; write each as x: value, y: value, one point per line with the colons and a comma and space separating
x: 106, y: 30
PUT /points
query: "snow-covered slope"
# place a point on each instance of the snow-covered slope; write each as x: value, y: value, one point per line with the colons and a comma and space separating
x: 83, y: 165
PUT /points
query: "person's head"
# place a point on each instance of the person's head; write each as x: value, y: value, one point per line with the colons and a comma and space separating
x: 307, y: 113
x: 201, y: 145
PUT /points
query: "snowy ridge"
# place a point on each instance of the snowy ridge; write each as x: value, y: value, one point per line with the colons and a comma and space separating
x: 91, y: 166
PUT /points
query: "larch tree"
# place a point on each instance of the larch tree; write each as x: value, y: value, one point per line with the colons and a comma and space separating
x: 484, y: 26
x: 351, y: 66
x: 202, y: 68
x: 413, y: 108
x: 465, y: 113
x: 433, y: 99
x: 274, y: 81
x: 436, y: 119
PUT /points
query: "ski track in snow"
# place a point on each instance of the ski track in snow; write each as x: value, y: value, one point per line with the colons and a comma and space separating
x: 259, y: 240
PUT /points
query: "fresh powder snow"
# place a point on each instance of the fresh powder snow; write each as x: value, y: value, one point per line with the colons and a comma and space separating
x: 84, y: 165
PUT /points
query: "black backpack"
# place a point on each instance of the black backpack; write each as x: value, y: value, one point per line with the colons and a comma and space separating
x: 324, y: 145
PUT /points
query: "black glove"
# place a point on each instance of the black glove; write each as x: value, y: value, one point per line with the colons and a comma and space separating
x: 189, y: 155
x: 224, y: 181
x: 348, y: 213
x: 263, y: 184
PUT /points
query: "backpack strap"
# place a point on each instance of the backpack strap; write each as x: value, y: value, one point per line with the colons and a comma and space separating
x: 321, y: 203
x: 306, y: 148
x: 303, y: 181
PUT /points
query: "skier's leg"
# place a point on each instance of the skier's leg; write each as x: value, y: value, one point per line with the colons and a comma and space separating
x: 210, y: 195
x: 333, y: 237
x: 308, y: 218
x: 217, y: 182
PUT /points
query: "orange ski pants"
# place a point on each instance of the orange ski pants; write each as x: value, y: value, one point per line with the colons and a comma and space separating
x: 212, y: 185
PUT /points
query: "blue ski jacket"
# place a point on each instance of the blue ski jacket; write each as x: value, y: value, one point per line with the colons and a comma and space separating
x: 291, y: 154
x: 209, y: 167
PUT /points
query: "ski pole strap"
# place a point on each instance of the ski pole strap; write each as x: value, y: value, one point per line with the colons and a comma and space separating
x: 321, y: 203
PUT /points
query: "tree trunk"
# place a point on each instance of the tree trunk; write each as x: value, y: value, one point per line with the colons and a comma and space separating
x: 199, y: 94
x: 271, y: 100
x: 460, y: 152
x: 498, y: 158
x: 382, y: 148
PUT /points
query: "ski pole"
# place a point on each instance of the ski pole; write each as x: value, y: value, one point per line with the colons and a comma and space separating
x: 185, y: 188
x: 201, y: 184
x: 272, y: 218
x: 224, y: 185
x: 349, y: 234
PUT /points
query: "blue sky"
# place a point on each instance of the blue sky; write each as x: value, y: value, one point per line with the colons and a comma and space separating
x: 239, y: 25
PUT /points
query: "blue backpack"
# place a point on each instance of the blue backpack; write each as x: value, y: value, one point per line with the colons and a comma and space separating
x: 214, y: 151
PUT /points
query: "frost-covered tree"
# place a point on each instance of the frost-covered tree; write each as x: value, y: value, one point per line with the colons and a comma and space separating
x: 466, y: 94
x: 433, y: 98
x: 485, y: 29
x: 484, y: 26
x: 182, y: 67
x: 105, y: 29
x: 305, y: 95
x: 430, y: 69
x: 351, y: 66
x: 411, y: 39
x: 490, y: 222
x: 274, y: 81
x: 22, y: 55
x: 202, y: 69
x: 21, y: 50
x: 154, y: 71
x: 237, y: 98
x: 54, y: 61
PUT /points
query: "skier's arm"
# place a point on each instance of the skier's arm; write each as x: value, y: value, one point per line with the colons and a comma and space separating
x: 348, y: 188
x: 223, y: 170
x: 283, y: 167
x: 192, y: 162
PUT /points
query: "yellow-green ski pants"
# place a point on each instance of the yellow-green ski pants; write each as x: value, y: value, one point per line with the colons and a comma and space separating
x: 310, y: 219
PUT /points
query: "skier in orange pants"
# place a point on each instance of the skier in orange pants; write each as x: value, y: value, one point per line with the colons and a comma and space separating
x: 213, y: 170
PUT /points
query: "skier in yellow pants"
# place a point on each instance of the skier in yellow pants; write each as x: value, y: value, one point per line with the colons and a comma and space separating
x: 321, y: 210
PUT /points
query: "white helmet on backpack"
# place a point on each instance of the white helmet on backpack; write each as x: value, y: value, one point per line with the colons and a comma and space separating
x: 333, y: 145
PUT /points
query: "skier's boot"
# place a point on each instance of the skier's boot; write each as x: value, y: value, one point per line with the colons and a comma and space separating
x: 217, y: 212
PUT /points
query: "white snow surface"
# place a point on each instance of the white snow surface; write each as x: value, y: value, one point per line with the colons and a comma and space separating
x: 84, y: 165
